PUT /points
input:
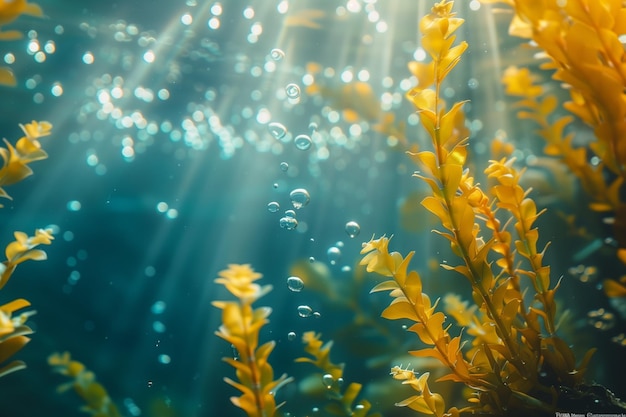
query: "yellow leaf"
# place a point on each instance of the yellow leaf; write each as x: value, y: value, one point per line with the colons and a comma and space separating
x: 399, y: 309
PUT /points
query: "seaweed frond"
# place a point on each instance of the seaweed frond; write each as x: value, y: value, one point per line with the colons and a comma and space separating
x: 343, y: 400
x: 27, y: 149
x: 10, y: 11
x: 13, y: 330
x: 97, y: 400
x: 13, y: 334
x: 582, y: 41
x: 516, y: 360
x: 241, y: 325
x: 537, y: 105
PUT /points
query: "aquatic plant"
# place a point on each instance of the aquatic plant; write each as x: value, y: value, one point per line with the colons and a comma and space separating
x: 13, y: 330
x: 342, y: 400
x: 27, y: 149
x: 241, y: 326
x: 517, y: 363
x: 9, y: 11
x: 581, y: 41
x: 97, y: 400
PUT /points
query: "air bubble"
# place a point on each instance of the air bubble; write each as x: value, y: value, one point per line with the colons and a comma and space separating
x: 353, y: 229
x: 277, y: 130
x: 277, y: 54
x: 288, y: 223
x: 333, y: 254
x: 293, y: 91
x: 291, y: 336
x: 303, y: 142
x: 299, y: 198
x: 284, y: 166
x: 295, y: 284
x: 328, y: 380
x: 305, y: 311
x: 273, y: 207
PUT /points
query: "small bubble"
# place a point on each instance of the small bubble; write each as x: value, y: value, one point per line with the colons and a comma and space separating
x: 158, y: 307
x: 328, y: 380
x: 472, y: 83
x: 311, y: 259
x: 305, y: 311
x: 277, y: 54
x: 164, y: 359
x: 295, y: 284
x: 290, y: 213
x: 277, y: 130
x: 284, y: 166
x: 74, y: 205
x: 292, y: 90
x: 149, y: 384
x: 313, y: 127
x: 291, y: 336
x: 333, y: 254
x: 303, y: 142
x: 299, y: 198
x: 353, y: 229
x: 273, y: 207
x: 288, y: 223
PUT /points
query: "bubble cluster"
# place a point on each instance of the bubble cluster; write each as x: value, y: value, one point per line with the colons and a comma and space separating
x: 288, y: 222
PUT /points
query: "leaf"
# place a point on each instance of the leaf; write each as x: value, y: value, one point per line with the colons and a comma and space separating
x: 399, y: 309
x: 385, y: 286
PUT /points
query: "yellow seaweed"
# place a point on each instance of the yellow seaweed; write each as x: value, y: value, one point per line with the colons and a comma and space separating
x: 27, y: 149
x: 492, y: 231
x: 581, y: 40
x: 97, y: 400
x: 10, y: 10
x: 342, y: 399
x: 241, y: 325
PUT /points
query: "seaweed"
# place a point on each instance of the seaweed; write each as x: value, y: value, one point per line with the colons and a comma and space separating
x: 97, y: 400
x: 342, y: 401
x: 13, y: 329
x: 517, y: 363
x: 9, y: 11
x: 241, y: 326
x: 581, y: 43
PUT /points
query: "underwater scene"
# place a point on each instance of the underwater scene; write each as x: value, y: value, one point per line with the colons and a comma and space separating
x: 313, y: 208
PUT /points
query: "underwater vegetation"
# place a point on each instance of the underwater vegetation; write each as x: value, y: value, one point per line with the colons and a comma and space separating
x: 509, y: 354
x: 581, y: 44
x: 97, y: 400
x: 9, y: 11
x: 241, y: 325
x: 341, y: 399
x: 13, y: 329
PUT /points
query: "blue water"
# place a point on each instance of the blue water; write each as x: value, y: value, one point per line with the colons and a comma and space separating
x: 161, y: 167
